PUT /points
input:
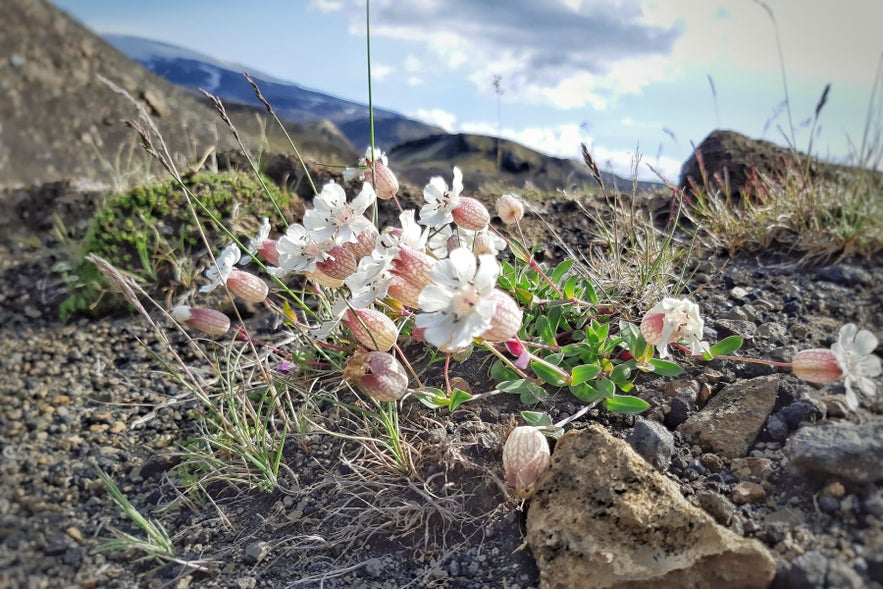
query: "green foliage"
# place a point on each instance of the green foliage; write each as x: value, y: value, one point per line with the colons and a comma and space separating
x: 150, y: 232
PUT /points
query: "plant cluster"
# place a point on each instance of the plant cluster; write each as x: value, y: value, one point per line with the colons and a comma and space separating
x: 355, y: 297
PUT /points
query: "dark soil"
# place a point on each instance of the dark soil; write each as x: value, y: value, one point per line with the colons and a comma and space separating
x: 89, y: 393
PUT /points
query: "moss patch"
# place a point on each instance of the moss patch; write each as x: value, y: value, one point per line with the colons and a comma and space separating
x: 151, y: 233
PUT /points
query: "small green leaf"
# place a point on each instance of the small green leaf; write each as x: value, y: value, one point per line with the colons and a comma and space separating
x: 585, y: 392
x: 519, y: 250
x: 559, y: 271
x: 583, y: 373
x: 664, y: 367
x: 500, y: 372
x: 547, y: 374
x: 621, y: 373
x: 570, y: 286
x: 433, y: 398
x: 536, y: 418
x: 589, y: 292
x: 513, y: 386
x: 626, y: 404
x: 458, y: 397
x: 606, y: 387
x: 726, y: 345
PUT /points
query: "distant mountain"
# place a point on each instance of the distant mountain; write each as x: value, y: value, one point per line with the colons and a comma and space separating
x: 291, y: 102
x: 476, y: 155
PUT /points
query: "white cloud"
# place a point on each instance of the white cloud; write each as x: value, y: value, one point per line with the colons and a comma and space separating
x: 327, y: 5
x: 415, y: 81
x: 412, y: 64
x: 436, y: 116
x: 380, y: 71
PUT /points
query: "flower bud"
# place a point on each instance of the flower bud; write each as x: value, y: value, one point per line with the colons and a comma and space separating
x: 339, y: 265
x: 816, y: 365
x: 510, y: 209
x: 377, y: 374
x: 371, y: 328
x: 471, y: 214
x: 247, y: 286
x: 365, y: 243
x: 410, y: 270
x: 386, y: 184
x: 651, y: 327
x: 208, y: 320
x: 268, y: 251
x: 525, y: 458
x: 506, y: 320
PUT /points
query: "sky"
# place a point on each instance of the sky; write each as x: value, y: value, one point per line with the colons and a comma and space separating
x: 641, y: 82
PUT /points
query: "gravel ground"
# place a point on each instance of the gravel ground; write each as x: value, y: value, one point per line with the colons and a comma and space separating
x: 88, y: 395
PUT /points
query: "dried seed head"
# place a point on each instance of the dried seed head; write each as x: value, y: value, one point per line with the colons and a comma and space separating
x: 510, y: 209
x: 340, y: 263
x: 506, y: 320
x: 816, y: 365
x: 371, y: 328
x: 247, y: 286
x: 377, y: 374
x: 208, y: 320
x: 471, y: 214
x: 525, y: 458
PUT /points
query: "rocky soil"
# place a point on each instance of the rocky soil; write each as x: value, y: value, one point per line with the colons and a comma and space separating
x: 739, y: 475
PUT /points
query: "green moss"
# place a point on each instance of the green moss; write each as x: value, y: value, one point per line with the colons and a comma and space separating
x: 150, y: 232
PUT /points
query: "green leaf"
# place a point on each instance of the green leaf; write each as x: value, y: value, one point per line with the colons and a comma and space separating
x: 606, y: 387
x: 664, y: 367
x: 536, y: 418
x: 571, y: 350
x: 433, y: 398
x: 559, y: 271
x: 513, y: 386
x: 519, y: 250
x: 621, y: 373
x: 547, y: 374
x: 726, y: 345
x: 626, y: 404
x: 458, y: 397
x: 583, y: 373
x: 500, y: 372
x: 570, y: 287
x: 585, y: 392
x: 589, y: 293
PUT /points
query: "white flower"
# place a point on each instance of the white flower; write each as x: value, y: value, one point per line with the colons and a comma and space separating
x: 299, y: 251
x: 410, y: 233
x: 371, y: 280
x: 854, y: 353
x: 331, y: 216
x: 257, y: 242
x: 220, y: 272
x: 456, y: 305
x: 674, y: 320
x: 440, y: 201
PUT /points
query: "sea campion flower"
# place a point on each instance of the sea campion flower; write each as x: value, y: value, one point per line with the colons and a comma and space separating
x: 457, y: 306
x: 411, y: 273
x: 377, y: 374
x: 470, y: 214
x: 440, y: 201
x: 299, y: 251
x: 263, y: 245
x: 386, y: 184
x: 854, y: 353
x: 525, y: 457
x: 210, y: 321
x: 339, y: 263
x: 510, y: 209
x: 245, y: 285
x: 674, y: 320
x: 506, y: 319
x: 332, y: 216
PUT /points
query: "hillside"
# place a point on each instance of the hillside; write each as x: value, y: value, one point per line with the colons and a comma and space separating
x: 59, y: 121
x: 292, y: 102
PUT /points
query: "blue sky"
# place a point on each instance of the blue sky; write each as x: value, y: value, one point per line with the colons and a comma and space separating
x: 623, y: 76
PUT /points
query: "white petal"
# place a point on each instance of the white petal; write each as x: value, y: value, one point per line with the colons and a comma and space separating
x: 365, y: 199
x: 488, y: 272
x: 851, y: 399
x: 457, y: 186
x: 865, y: 342
x: 331, y: 197
x: 869, y: 366
x: 847, y: 335
x: 435, y: 190
x: 464, y: 264
x: 434, y: 297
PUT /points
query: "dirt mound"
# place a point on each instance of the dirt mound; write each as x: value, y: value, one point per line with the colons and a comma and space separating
x: 59, y: 121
